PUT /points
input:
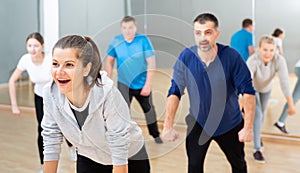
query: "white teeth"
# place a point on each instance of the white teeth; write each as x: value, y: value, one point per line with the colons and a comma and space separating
x: 61, y: 79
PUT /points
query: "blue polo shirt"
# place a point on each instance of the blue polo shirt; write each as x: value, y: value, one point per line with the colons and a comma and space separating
x: 213, y: 90
x: 131, y: 59
x: 240, y: 41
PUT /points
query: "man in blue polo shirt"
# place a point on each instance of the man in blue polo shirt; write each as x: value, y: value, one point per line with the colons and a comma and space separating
x: 214, y: 75
x: 135, y: 65
x: 242, y: 40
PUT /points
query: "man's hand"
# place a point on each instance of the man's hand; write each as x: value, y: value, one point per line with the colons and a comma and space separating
x: 146, y: 90
x: 170, y: 134
x: 246, y: 135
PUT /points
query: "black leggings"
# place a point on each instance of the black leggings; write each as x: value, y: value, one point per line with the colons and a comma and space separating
x: 146, y: 104
x: 38, y: 102
x: 139, y: 163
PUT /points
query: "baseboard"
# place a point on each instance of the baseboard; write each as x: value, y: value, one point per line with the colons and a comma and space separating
x: 3, y: 86
x: 20, y: 83
x: 22, y: 108
x: 275, y: 137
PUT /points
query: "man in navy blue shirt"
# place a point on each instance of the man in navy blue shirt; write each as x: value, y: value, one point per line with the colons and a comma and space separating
x: 214, y: 75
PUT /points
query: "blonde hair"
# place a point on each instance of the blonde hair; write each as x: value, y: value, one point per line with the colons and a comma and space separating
x: 266, y: 39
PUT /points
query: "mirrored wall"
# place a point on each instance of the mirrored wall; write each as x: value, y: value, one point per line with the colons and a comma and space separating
x: 168, y: 23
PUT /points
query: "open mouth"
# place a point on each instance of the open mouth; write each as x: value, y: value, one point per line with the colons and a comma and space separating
x: 63, y: 81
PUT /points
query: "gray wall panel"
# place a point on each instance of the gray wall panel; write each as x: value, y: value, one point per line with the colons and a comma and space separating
x: 73, y: 17
x: 170, y: 29
x: 18, y: 19
x: 180, y: 24
x: 96, y: 18
x: 269, y: 15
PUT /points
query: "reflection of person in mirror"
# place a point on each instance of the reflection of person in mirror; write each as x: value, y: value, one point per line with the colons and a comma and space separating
x: 38, y: 67
x: 264, y: 65
x: 280, y: 124
x: 83, y: 105
x: 135, y: 65
x: 242, y: 40
x: 278, y: 35
x: 214, y: 75
x: 37, y: 64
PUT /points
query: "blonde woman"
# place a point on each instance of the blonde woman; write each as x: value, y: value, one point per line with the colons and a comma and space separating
x: 264, y: 65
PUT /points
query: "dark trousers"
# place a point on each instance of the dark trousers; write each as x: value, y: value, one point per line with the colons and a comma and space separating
x: 228, y: 142
x: 139, y: 163
x: 146, y: 104
x: 38, y: 102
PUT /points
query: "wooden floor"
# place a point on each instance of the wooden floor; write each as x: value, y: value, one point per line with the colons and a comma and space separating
x: 19, y: 152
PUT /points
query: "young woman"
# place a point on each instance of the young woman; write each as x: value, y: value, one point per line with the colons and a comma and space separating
x: 263, y: 67
x: 38, y: 67
x: 84, y: 106
x: 278, y: 35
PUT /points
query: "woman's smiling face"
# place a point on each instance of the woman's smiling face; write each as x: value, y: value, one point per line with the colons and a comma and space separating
x: 34, y: 47
x: 266, y: 52
x: 68, y: 71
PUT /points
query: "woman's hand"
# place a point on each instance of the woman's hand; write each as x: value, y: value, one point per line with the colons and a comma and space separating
x: 291, y: 111
x: 15, y: 110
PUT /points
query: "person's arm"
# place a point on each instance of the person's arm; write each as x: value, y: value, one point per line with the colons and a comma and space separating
x: 280, y: 50
x: 291, y: 106
x: 50, y: 166
x: 246, y: 134
x: 175, y: 92
x: 120, y: 169
x: 117, y: 126
x: 251, y: 50
x: 110, y: 61
x: 52, y: 135
x: 12, y: 91
x: 285, y: 84
x: 150, y: 72
x: 243, y: 74
x: 169, y: 132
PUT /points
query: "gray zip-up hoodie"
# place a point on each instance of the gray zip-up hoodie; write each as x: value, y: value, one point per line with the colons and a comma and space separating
x: 108, y: 135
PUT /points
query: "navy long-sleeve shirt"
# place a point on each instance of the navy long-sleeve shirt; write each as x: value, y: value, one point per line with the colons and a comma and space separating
x: 213, y: 90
